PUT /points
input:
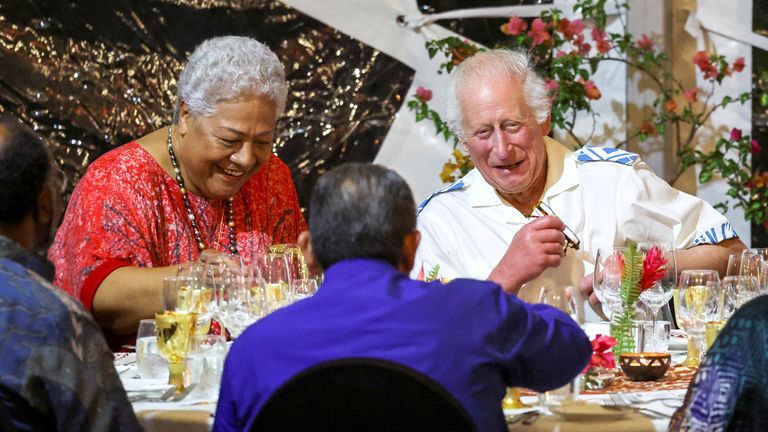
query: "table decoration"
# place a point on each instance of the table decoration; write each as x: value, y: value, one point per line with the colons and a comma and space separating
x: 645, y: 366
x: 639, y: 271
x: 598, y: 372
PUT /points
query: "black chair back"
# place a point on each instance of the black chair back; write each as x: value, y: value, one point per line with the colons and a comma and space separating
x: 362, y: 394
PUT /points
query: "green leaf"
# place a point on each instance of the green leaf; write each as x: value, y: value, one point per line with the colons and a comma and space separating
x: 705, y: 176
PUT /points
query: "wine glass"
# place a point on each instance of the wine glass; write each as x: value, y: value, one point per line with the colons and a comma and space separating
x: 693, y: 294
x: 662, y: 290
x: 741, y: 289
x: 174, y: 334
x: 303, y: 288
x: 242, y: 300
x: 277, y: 280
x: 297, y: 267
x: 606, y: 278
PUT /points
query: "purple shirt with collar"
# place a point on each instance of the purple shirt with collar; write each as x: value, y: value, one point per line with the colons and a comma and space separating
x: 467, y: 335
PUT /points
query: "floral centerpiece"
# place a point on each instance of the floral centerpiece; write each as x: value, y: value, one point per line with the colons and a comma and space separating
x: 601, y: 361
x: 638, y: 272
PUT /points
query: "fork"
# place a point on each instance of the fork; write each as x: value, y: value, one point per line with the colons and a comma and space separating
x: 618, y: 402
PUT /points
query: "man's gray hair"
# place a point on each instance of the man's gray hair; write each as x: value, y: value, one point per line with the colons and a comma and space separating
x: 223, y: 69
x: 497, y: 64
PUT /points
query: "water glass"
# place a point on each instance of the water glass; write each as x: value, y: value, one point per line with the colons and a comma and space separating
x: 149, y: 362
x: 303, y: 288
x: 657, y: 338
x: 205, y: 364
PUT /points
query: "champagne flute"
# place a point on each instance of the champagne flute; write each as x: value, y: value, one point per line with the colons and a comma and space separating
x: 692, y: 297
x: 715, y: 311
x: 174, y: 333
x: 661, y: 292
x: 184, y: 294
x: 277, y: 280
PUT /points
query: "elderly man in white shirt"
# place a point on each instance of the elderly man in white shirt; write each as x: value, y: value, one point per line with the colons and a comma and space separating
x: 485, y: 225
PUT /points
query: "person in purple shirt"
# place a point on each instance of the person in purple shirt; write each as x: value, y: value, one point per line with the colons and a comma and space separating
x: 467, y: 335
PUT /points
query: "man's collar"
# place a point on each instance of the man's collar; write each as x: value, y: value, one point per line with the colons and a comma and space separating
x: 561, y: 176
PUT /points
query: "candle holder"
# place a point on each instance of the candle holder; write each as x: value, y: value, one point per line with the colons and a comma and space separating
x: 645, y: 366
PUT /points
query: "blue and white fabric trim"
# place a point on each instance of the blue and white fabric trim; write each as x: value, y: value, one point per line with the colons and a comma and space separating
x: 715, y: 235
x: 609, y: 154
x: 447, y: 188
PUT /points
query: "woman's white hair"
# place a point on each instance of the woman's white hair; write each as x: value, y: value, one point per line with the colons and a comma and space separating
x: 497, y: 64
x: 223, y: 69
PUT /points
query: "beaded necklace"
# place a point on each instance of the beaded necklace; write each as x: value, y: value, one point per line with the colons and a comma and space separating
x: 188, y: 205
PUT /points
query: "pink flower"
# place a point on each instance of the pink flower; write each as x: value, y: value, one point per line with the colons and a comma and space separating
x: 654, y: 267
x: 601, y: 44
x: 702, y: 60
x: 515, y: 26
x: 735, y: 134
x: 645, y: 43
x: 755, y: 146
x: 690, y: 95
x: 424, y: 94
x: 551, y: 85
x: 569, y: 29
x: 591, y: 90
x: 560, y: 54
x: 576, y: 27
x: 538, y: 32
x: 738, y: 64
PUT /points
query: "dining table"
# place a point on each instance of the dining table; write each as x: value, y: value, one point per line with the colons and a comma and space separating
x: 651, y: 404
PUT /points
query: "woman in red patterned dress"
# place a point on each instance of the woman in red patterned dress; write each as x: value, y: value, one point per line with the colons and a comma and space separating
x: 208, y: 181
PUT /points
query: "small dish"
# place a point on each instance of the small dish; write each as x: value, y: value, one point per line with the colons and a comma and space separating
x: 587, y: 412
x: 645, y: 366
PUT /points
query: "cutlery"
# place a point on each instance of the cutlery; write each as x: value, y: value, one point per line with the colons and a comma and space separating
x: 617, y: 402
x: 145, y: 397
x: 516, y: 418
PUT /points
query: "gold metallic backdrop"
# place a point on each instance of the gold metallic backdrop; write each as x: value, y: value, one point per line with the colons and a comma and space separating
x: 91, y: 75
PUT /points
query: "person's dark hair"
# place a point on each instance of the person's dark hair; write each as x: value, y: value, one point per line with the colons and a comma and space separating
x: 360, y: 211
x: 24, y: 169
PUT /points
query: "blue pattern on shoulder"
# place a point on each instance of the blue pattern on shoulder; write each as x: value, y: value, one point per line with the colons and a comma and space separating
x: 608, y: 154
x: 447, y: 188
x: 715, y: 235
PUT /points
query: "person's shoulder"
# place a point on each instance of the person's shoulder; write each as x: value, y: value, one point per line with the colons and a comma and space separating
x: 38, y: 297
x: 595, y: 156
x: 449, y: 192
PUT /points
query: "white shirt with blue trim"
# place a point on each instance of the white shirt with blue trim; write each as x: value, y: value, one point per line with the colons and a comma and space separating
x: 605, y: 196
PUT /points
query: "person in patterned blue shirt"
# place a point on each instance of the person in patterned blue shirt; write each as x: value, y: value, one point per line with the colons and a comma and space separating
x: 730, y: 389
x: 56, y: 371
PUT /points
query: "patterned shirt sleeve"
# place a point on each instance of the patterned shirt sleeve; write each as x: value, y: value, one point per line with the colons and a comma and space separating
x: 730, y: 389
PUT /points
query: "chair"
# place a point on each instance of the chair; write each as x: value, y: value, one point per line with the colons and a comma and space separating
x: 362, y: 394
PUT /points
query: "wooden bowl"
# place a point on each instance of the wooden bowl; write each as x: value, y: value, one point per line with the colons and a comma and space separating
x: 645, y: 366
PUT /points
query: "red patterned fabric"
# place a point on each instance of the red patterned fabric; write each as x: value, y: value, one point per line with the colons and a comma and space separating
x: 127, y: 211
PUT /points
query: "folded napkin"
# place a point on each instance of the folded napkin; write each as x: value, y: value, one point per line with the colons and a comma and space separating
x: 175, y: 420
x: 631, y: 422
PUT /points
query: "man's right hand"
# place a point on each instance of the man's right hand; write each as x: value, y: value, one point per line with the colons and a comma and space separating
x: 538, y: 246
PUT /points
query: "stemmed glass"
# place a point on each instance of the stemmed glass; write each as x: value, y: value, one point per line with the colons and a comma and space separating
x: 606, y: 278
x: 691, y: 306
x: 662, y: 291
x: 242, y: 301
x: 174, y: 334
x: 277, y: 280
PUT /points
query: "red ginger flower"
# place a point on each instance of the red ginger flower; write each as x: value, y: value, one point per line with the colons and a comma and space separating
x: 654, y: 267
x: 601, y: 353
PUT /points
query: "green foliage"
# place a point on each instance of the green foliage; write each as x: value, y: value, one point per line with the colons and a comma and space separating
x: 433, y: 274
x: 629, y: 291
